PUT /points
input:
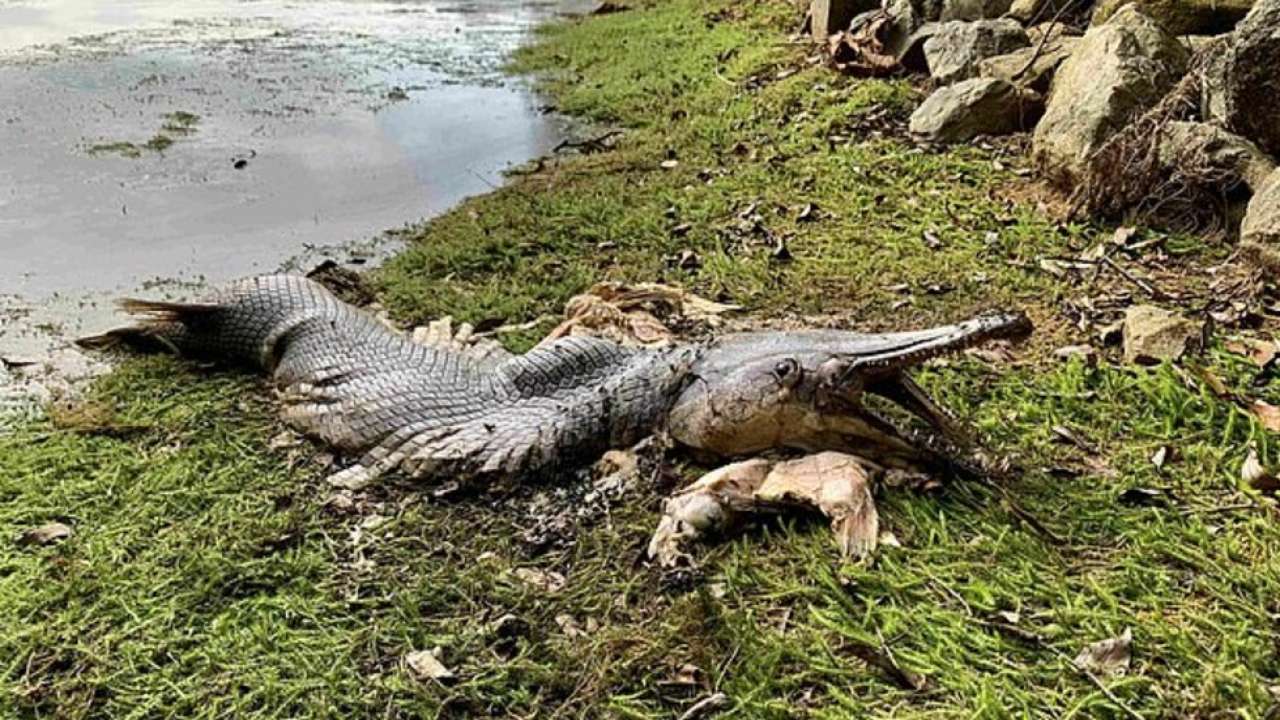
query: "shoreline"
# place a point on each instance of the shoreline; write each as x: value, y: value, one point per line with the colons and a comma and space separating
x: 288, y: 139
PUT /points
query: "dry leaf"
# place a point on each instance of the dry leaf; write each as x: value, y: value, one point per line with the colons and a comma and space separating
x: 1261, y: 352
x: 284, y: 440
x: 341, y: 502
x: 1123, y: 235
x: 625, y: 313
x: 569, y: 626
x: 1257, y: 476
x: 1107, y: 657
x: 14, y: 361
x: 861, y: 51
x: 1160, y: 456
x: 1098, y: 466
x: 996, y: 353
x: 548, y: 581
x: 1267, y: 414
x: 687, y: 675
x: 1143, y: 497
x: 426, y: 665
x: 1154, y: 334
x: 46, y: 534
x: 1074, y: 438
x: 1086, y: 353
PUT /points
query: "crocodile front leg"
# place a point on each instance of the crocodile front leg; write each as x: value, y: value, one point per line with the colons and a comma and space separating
x: 836, y: 484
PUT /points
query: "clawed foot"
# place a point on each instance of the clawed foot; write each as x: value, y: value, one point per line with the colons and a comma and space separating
x: 836, y: 484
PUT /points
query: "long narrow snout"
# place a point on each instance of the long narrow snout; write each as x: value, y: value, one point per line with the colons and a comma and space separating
x: 806, y: 389
x: 897, y: 350
x: 882, y: 370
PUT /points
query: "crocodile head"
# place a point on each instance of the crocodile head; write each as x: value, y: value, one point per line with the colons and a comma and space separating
x: 809, y: 390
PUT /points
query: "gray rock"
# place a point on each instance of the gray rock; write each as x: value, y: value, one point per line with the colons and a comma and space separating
x: 1115, y: 72
x: 1201, y: 145
x: 911, y: 56
x: 969, y: 108
x: 953, y: 51
x: 1181, y: 17
x: 832, y: 16
x: 1028, y: 68
x: 1260, y: 230
x: 928, y: 10
x: 1026, y: 11
x: 1053, y: 30
x: 1243, y: 92
x: 905, y: 20
x: 974, y: 9
x: 1153, y: 334
x: 46, y: 534
x: 1196, y: 43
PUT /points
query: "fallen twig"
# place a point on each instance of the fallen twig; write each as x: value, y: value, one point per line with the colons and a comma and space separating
x: 1155, y: 292
x: 882, y: 658
x: 595, y: 144
x: 705, y: 705
x: 1025, y: 516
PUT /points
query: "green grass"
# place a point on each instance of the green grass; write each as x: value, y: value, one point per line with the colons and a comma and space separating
x: 179, y: 124
x: 208, y: 577
x: 121, y: 148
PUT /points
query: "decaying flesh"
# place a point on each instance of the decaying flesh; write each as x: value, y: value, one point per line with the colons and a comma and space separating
x: 836, y: 484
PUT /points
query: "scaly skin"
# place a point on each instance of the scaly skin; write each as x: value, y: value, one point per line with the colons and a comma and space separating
x: 436, y: 413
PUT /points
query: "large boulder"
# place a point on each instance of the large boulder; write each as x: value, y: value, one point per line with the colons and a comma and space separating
x: 1116, y: 71
x: 904, y: 20
x: 928, y: 10
x: 1260, y: 230
x: 1181, y: 17
x: 1243, y: 89
x: 953, y: 50
x: 973, y: 9
x: 1031, y: 68
x: 978, y: 106
x: 1209, y: 151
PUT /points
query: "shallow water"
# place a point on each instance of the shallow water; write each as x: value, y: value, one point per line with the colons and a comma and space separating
x: 318, y: 124
x: 301, y: 93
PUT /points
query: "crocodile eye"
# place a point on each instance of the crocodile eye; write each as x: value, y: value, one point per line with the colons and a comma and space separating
x: 787, y: 371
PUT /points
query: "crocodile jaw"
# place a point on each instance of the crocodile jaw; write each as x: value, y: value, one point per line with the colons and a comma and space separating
x: 806, y: 390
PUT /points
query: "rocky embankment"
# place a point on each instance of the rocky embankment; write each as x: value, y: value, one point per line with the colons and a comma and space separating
x: 1166, y: 110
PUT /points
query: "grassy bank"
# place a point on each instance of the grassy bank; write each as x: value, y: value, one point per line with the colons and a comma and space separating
x: 213, y: 574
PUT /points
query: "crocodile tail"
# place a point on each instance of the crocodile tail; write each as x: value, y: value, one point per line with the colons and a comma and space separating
x: 160, y: 311
x: 161, y: 324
